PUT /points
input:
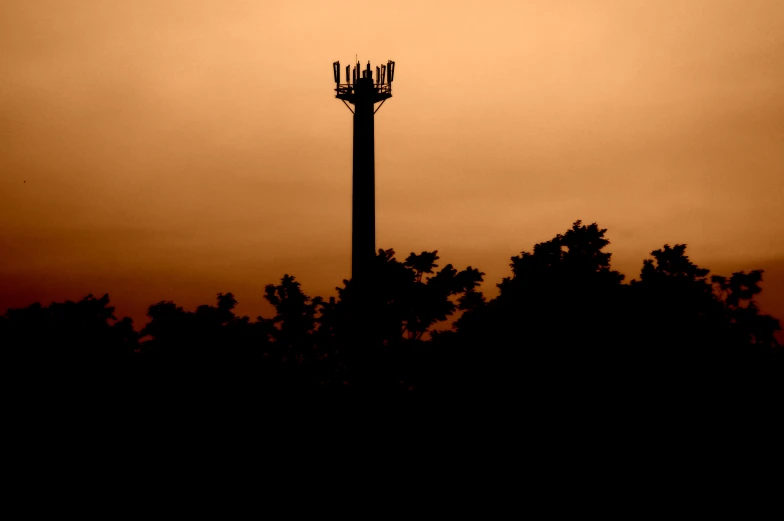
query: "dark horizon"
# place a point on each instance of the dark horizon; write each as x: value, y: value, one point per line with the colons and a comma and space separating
x: 490, y: 288
x: 563, y: 322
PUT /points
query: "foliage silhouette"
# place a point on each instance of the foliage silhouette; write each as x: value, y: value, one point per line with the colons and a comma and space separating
x: 563, y: 321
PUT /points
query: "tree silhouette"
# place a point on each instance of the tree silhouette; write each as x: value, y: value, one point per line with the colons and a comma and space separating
x: 86, y: 329
x: 564, y: 324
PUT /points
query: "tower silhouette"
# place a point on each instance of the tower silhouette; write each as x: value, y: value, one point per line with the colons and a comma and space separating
x: 362, y: 91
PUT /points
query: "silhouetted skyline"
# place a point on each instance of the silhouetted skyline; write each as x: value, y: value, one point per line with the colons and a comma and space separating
x: 565, y: 326
x: 174, y: 151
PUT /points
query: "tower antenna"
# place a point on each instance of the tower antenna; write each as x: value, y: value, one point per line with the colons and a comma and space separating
x: 363, y: 92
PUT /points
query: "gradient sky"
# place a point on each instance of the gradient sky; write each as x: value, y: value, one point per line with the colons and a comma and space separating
x: 174, y: 149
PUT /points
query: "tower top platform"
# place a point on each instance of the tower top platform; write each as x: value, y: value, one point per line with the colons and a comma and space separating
x: 361, y: 86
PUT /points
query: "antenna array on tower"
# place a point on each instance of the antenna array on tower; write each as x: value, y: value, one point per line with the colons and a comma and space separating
x: 358, y: 78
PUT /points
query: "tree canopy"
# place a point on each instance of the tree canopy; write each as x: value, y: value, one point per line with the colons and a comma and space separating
x: 562, y: 315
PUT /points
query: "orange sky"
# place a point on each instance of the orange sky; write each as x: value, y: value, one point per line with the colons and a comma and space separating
x: 171, y: 150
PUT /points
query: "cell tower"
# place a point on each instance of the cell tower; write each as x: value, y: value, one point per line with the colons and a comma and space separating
x: 362, y: 91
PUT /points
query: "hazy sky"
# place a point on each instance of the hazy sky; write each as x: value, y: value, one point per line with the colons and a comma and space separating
x: 174, y: 149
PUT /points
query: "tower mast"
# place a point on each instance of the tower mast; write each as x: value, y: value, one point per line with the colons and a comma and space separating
x: 363, y: 91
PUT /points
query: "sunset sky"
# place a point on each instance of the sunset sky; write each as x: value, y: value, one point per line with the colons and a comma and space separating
x: 169, y: 150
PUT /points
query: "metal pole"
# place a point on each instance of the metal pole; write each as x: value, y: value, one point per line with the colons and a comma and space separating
x: 364, y: 190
